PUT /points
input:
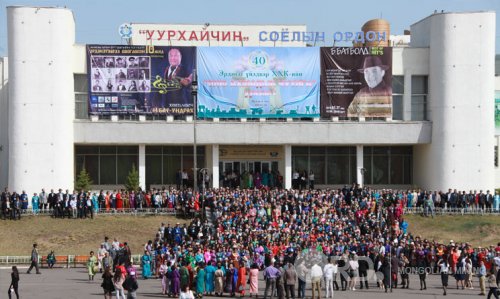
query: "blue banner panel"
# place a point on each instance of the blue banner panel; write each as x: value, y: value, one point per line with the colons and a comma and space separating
x: 258, y: 82
x: 140, y: 79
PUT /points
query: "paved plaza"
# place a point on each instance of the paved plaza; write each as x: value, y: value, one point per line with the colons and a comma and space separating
x: 73, y: 283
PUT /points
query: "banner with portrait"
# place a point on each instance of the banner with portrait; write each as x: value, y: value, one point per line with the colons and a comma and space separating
x: 497, y: 112
x: 356, y: 82
x: 140, y: 79
x: 258, y: 82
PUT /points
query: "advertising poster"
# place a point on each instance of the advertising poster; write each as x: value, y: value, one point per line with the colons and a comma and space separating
x: 356, y: 81
x: 497, y: 112
x: 258, y: 82
x: 140, y: 79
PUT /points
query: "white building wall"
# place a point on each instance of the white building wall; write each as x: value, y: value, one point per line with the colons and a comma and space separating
x: 41, y: 101
x: 461, y: 86
x: 4, y: 123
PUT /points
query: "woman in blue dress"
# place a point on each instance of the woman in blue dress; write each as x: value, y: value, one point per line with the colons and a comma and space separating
x: 146, y: 265
x: 34, y: 203
x: 209, y: 275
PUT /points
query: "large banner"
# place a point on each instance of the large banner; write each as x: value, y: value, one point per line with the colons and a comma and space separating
x: 256, y: 82
x: 497, y: 112
x: 140, y: 79
x: 356, y: 82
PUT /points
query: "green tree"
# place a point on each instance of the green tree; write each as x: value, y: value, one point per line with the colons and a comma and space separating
x: 132, y: 183
x: 83, y: 180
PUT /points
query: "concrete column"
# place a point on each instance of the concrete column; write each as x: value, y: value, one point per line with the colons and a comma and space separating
x: 407, y: 95
x: 142, y: 166
x: 288, y: 166
x: 215, y: 165
x: 359, y: 165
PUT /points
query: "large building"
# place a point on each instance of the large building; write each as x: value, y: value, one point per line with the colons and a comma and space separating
x: 441, y: 134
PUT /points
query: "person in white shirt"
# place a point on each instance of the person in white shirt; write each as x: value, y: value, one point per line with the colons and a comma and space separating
x: 353, y: 272
x: 72, y: 204
x: 330, y: 271
x: 316, y: 275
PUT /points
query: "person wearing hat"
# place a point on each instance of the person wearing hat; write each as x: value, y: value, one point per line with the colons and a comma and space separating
x: 34, y: 259
x: 375, y: 98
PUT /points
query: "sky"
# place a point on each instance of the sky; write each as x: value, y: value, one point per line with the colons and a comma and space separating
x: 97, y: 21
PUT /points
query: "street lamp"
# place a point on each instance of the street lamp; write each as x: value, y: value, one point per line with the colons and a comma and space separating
x: 194, y: 93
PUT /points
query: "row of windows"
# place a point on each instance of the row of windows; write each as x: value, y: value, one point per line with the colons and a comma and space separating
x: 419, y: 91
x: 110, y: 165
x: 337, y: 165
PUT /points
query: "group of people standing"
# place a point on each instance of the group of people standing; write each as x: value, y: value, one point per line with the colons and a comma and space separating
x: 258, y: 228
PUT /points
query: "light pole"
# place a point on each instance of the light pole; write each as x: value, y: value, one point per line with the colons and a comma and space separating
x: 194, y: 93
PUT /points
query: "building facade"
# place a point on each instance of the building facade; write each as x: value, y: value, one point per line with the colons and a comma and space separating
x: 441, y: 134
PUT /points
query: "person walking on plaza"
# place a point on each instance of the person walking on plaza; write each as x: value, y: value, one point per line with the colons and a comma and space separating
x: 200, y: 280
x: 254, y: 280
x: 14, y: 283
x: 107, y: 283
x: 328, y: 270
x: 492, y: 281
x: 270, y: 275
x: 290, y: 280
x: 242, y: 279
x: 34, y: 260
x: 92, y: 265
x: 219, y: 280
x: 210, y: 278
x: 444, y: 269
x: 316, y: 276
x: 146, y: 265
x: 118, y: 280
x: 481, y: 274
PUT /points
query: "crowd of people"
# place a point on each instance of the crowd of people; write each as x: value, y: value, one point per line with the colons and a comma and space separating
x: 85, y: 204
x: 279, y: 233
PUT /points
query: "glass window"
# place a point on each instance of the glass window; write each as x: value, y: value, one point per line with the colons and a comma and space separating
x: 91, y: 164
x: 367, y: 165
x: 419, y: 85
x: 172, y: 150
x: 107, y: 170
x: 107, y: 150
x: 86, y: 149
x: 81, y: 83
x: 170, y: 166
x: 397, y: 169
x: 338, y: 169
x: 153, y: 150
x: 300, y: 150
x: 419, y: 90
x: 127, y: 150
x: 317, y: 150
x: 340, y: 150
x: 418, y: 107
x: 317, y: 165
x: 124, y: 166
x: 380, y: 168
x: 153, y: 170
x: 299, y: 163
x: 397, y: 107
x: 81, y: 106
x: 398, y: 84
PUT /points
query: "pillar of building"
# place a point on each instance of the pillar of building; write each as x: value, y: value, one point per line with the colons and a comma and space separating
x: 288, y: 166
x: 142, y: 166
x: 215, y: 166
x: 360, y: 170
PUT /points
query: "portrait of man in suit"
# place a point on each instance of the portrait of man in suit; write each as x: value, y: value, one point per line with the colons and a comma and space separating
x: 178, y: 79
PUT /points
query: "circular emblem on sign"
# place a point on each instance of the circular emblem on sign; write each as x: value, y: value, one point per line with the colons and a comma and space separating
x: 125, y: 30
x: 259, y: 59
